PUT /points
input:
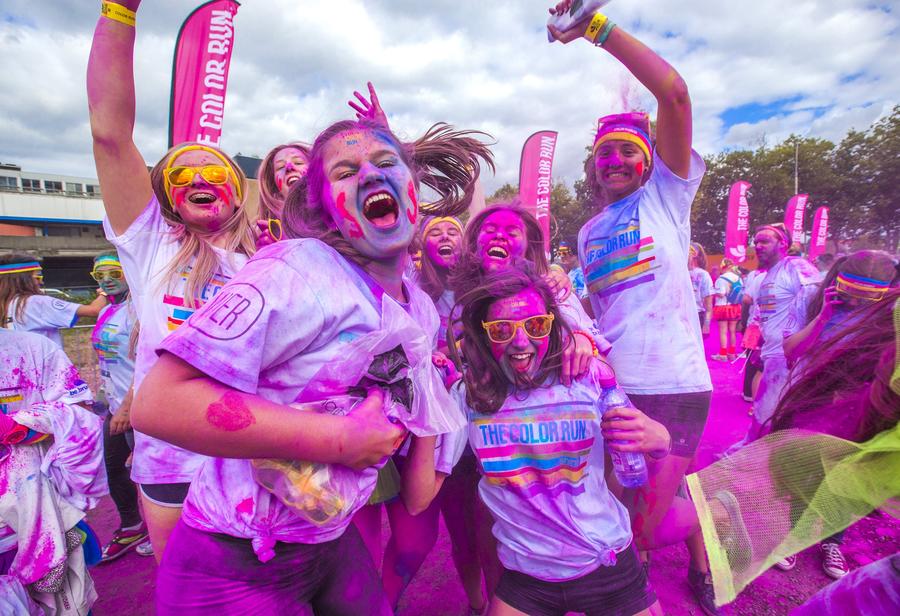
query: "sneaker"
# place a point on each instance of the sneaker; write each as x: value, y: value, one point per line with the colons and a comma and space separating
x: 833, y: 562
x: 747, y: 398
x: 122, y: 541
x: 718, y: 357
x: 145, y: 549
x: 787, y: 563
x: 702, y: 589
x: 733, y: 534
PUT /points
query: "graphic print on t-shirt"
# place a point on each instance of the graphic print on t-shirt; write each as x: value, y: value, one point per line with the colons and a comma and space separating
x: 7, y: 397
x: 537, y: 449
x: 766, y: 301
x: 106, y: 344
x: 178, y: 312
x: 619, y: 260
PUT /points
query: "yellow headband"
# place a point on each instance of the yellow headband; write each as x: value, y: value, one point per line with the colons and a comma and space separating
x: 202, y: 148
x: 617, y: 135
x: 440, y: 219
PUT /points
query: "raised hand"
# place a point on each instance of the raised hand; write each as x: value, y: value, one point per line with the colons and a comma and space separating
x: 369, y: 109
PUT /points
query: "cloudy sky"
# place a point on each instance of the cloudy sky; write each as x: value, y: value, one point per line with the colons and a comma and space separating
x: 757, y: 70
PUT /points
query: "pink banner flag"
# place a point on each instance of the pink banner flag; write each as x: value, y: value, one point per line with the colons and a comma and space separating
x: 535, y: 178
x: 200, y: 73
x: 793, y: 217
x: 819, y: 233
x: 737, y: 226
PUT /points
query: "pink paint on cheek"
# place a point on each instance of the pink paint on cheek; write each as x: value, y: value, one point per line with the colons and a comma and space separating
x: 230, y: 413
x: 639, y: 168
x: 245, y: 506
x: 353, y: 228
x: 414, y: 213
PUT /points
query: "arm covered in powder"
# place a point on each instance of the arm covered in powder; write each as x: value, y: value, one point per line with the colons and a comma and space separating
x: 205, y: 416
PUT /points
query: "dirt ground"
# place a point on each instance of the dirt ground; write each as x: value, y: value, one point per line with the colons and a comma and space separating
x: 126, y: 586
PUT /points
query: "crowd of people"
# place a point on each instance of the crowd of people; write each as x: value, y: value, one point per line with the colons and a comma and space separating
x: 270, y: 385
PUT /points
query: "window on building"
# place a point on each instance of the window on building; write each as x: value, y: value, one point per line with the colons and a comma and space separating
x: 52, y: 187
x: 31, y: 185
x: 8, y: 183
x: 74, y: 188
x: 92, y: 189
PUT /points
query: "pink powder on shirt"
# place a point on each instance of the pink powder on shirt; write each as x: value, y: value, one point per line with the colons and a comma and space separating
x: 230, y: 413
x: 245, y: 506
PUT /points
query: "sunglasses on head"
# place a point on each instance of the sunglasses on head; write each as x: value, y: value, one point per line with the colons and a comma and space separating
x: 115, y: 274
x: 184, y: 175
x: 535, y: 327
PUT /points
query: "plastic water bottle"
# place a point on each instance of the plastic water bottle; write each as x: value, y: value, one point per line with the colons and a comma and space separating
x: 630, y: 467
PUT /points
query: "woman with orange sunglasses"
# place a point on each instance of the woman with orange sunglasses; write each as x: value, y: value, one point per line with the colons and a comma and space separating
x: 181, y: 231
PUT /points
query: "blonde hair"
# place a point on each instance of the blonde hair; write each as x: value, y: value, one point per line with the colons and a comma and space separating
x: 196, y: 243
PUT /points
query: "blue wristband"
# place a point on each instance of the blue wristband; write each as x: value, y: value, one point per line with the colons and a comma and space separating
x: 604, y: 34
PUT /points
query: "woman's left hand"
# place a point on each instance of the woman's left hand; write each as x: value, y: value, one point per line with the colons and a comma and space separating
x: 263, y: 234
x: 369, y: 109
x: 628, y: 429
x: 446, y: 367
x: 576, y: 360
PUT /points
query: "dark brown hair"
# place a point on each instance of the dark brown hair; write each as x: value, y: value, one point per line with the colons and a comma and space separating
x: 446, y: 160
x: 429, y: 279
x: 486, y: 384
x: 271, y: 203
x: 16, y: 286
x: 866, y: 263
x: 848, y: 375
x: 468, y: 272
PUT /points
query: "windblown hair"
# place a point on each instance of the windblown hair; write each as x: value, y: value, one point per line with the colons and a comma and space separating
x: 271, y: 203
x: 699, y: 255
x: 875, y: 264
x: 16, y: 286
x: 195, y: 245
x: 446, y: 160
x: 468, y: 272
x: 486, y: 384
x: 431, y: 281
x: 847, y: 380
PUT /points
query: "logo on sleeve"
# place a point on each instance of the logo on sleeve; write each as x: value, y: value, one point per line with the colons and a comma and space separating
x: 58, y: 304
x: 78, y: 388
x: 231, y: 313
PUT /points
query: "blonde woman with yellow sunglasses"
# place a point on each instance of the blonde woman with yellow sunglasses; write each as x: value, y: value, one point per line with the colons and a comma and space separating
x: 181, y: 231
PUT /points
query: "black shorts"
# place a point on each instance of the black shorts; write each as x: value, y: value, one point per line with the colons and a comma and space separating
x: 622, y: 589
x: 165, y: 494
x: 683, y: 415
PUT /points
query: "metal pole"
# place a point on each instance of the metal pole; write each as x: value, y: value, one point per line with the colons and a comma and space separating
x: 796, y: 167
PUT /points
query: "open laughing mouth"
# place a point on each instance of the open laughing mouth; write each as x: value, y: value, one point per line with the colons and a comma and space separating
x: 521, y: 362
x: 381, y: 210
x: 445, y: 250
x: 498, y: 252
x: 202, y: 198
x: 291, y: 180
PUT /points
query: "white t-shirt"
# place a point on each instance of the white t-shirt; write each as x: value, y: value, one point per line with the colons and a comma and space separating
x: 282, y: 328
x: 723, y: 287
x: 43, y: 315
x: 444, y: 306
x: 702, y: 284
x: 541, y: 457
x: 146, y: 249
x: 634, y: 254
x: 783, y: 283
x: 111, y: 339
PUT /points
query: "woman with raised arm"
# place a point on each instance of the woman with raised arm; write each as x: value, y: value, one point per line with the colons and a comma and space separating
x: 181, y: 232
x: 314, y: 321
x: 633, y: 254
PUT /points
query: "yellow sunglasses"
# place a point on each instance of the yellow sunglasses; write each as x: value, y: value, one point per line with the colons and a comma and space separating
x: 115, y: 274
x: 536, y: 327
x: 182, y: 176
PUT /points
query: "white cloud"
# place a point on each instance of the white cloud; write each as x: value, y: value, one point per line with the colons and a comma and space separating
x: 476, y: 64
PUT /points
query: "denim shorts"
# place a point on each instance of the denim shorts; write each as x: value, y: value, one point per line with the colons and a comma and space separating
x: 623, y: 589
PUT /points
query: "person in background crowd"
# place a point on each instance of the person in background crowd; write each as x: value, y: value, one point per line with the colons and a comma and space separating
x: 112, y: 340
x: 568, y: 258
x: 823, y: 263
x: 702, y: 283
x: 729, y: 290
x: 24, y: 307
